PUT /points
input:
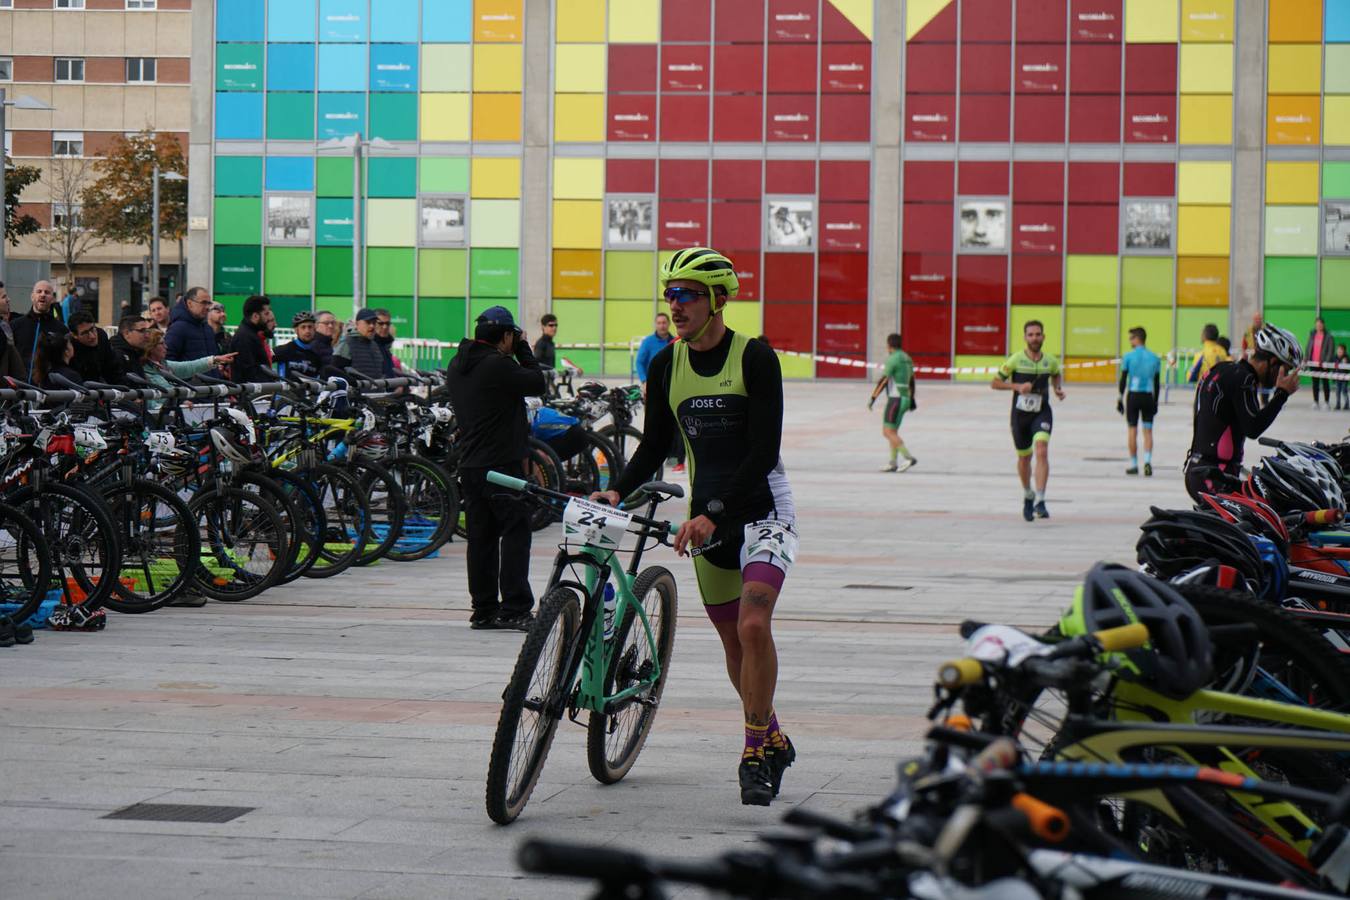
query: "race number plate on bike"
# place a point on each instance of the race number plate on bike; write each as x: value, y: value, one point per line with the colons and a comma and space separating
x: 1029, y: 402
x: 774, y: 538
x: 594, y: 524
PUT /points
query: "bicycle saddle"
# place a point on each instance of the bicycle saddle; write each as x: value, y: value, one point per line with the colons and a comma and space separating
x: 62, y: 381
x: 100, y: 386
x: 663, y: 488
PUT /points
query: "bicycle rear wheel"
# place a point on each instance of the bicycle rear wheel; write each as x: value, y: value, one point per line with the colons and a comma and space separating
x: 310, y: 522
x: 530, y: 706
x: 85, y: 551
x: 25, y: 564
x: 614, y: 740
x: 243, y: 540
x: 347, y: 518
x: 157, y: 534
x: 384, y: 499
x: 431, y: 507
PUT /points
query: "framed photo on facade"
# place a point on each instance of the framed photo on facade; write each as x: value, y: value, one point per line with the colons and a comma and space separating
x: 444, y: 220
x: 790, y: 223
x: 290, y: 218
x: 630, y: 221
x: 1148, y: 225
x: 1336, y: 227
x: 982, y: 225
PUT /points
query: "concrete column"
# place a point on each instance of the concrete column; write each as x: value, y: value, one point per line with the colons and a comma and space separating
x: 1249, y: 122
x: 200, y: 169
x: 535, y: 200
x: 883, y: 316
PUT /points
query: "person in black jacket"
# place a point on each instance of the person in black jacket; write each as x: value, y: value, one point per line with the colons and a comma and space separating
x: 94, y: 358
x: 489, y: 379
x: 215, y: 317
x: 299, y: 355
x: 129, y: 342
x: 358, y: 351
x: 189, y: 335
x: 53, y: 356
x: 253, y: 353
x: 38, y: 321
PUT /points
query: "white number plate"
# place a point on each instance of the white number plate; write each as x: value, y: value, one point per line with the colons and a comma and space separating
x: 594, y: 523
x: 160, y: 441
x: 88, y: 438
x: 774, y: 538
x: 368, y: 419
x: 1029, y: 402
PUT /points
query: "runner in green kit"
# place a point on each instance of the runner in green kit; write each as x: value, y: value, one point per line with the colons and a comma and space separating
x: 898, y: 383
x: 1030, y: 374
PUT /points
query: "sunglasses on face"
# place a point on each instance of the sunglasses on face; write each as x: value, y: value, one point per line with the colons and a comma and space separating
x: 683, y: 295
x: 383, y: 322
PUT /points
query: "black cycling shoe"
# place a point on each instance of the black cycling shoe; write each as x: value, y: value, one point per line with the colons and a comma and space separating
x: 1132, y: 470
x: 7, y: 633
x: 1148, y: 470
x: 1041, y: 511
x: 778, y: 761
x: 1028, y: 509
x: 513, y: 622
x: 23, y: 633
x: 756, y: 785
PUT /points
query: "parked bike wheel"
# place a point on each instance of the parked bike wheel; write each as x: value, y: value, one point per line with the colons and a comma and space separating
x: 527, y: 724
x: 384, y: 499
x: 243, y: 541
x: 286, y: 506
x: 545, y: 470
x: 614, y: 740
x: 626, y: 441
x: 86, y: 555
x: 157, y: 534
x: 431, y: 507
x: 25, y: 563
x: 346, y: 517
x: 311, y: 524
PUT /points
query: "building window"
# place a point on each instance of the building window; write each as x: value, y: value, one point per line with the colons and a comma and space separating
x: 141, y: 4
x: 66, y: 215
x: 6, y: 4
x: 69, y: 69
x: 6, y: 68
x: 67, y: 143
x: 70, y: 4
x: 140, y: 68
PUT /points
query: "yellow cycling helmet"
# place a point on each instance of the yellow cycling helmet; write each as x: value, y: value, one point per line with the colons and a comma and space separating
x: 704, y: 265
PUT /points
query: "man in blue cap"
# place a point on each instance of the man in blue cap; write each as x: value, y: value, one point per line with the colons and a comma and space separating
x: 489, y: 378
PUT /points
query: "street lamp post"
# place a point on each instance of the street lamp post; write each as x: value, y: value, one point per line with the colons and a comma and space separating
x: 24, y: 102
x: 357, y: 146
x: 154, y: 223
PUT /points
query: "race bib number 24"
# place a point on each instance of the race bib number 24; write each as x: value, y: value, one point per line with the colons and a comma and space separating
x: 774, y: 538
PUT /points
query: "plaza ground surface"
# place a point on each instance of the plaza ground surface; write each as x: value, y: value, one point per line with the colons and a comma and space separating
x: 355, y: 715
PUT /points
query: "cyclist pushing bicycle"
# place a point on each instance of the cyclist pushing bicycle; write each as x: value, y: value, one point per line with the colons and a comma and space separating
x: 725, y: 392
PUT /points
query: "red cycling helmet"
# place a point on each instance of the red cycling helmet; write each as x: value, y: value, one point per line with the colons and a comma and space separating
x: 1251, y: 515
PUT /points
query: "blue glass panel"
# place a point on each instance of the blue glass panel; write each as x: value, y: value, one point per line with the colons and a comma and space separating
x: 342, y: 21
x: 450, y: 21
x: 342, y: 67
x: 341, y: 115
x: 290, y: 20
x: 393, y: 67
x: 239, y: 116
x: 1338, y: 21
x: 290, y: 173
x: 335, y: 222
x: 395, y: 20
x: 290, y: 67
x: 239, y: 20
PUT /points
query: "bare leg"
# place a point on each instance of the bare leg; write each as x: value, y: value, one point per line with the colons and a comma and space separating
x: 759, y: 656
x: 731, y: 648
x: 892, y: 437
x: 1133, y: 443
x: 1024, y: 471
x: 1042, y: 464
x: 1148, y: 440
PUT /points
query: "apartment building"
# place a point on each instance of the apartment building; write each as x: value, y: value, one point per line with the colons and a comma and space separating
x: 107, y: 68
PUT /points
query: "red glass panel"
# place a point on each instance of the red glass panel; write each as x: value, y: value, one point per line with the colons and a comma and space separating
x: 789, y: 276
x: 843, y: 226
x: 630, y: 176
x: 986, y: 20
x: 688, y: 20
x: 926, y: 277
x: 984, y: 117
x: 1041, y: 20
x: 736, y: 179
x: 930, y: 68
x: 747, y: 264
x: 1036, y: 228
x: 845, y: 180
x: 1095, y: 69
x: 981, y: 280
x: 926, y: 328
x: 684, y: 179
x: 1095, y: 20
x: 684, y: 117
x: 789, y: 324
x: 841, y: 330
x: 929, y: 227
x: 796, y: 176
x: 1038, y: 280
x: 845, y: 68
x: 835, y: 26
x: 1150, y: 118
x: 1040, y: 69
x: 793, y: 20
x: 930, y: 117
x: 846, y: 117
x: 930, y: 180
x: 1094, y: 119
x: 1038, y: 181
x: 1093, y: 182
x: 738, y: 21
x: 790, y: 117
x: 738, y: 67
x: 736, y: 225
x: 985, y: 69
x: 682, y: 224
x: 632, y: 67
x: 684, y: 68
x: 1094, y: 228
x: 740, y: 117
x: 1151, y: 68
x: 941, y: 27
x: 792, y: 68
x: 983, y: 178
x: 981, y: 329
x: 1150, y: 180
x: 842, y: 276
x: 632, y: 117
x: 1038, y: 118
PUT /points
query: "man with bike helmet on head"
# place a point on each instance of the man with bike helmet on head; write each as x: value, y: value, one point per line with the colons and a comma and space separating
x: 300, y: 355
x: 1228, y: 409
x: 724, y: 392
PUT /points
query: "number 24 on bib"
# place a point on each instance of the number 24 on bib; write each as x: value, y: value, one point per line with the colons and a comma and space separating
x: 773, y: 537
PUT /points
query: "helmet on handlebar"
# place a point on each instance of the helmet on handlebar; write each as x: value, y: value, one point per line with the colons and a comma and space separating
x: 1178, y: 658
x: 1176, y: 541
x: 1253, y: 516
x: 1297, y: 485
x: 1318, y: 453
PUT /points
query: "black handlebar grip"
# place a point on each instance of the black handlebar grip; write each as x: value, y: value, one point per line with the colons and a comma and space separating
x: 582, y: 861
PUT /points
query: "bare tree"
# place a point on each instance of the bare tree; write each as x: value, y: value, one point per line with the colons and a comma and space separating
x: 67, y: 239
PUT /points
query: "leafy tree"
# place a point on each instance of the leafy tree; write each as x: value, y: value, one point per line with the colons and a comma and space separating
x: 117, y: 206
x: 68, y: 237
x: 16, y: 179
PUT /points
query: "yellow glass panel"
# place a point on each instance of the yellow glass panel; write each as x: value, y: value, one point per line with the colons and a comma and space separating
x: 1292, y: 21
x: 496, y: 117
x: 1203, y: 230
x: 1206, y: 20
x: 744, y: 317
x: 1206, y: 119
x: 635, y: 22
x: 578, y: 179
x: 1293, y: 120
x: 445, y: 67
x: 920, y: 12
x: 1151, y: 21
x: 1202, y: 281
x: 495, y: 177
x: 1084, y: 370
x: 445, y: 117
x: 579, y: 117
x: 581, y: 20
x: 1294, y: 69
x: 576, y: 273
x: 579, y: 68
x: 858, y: 12
x: 498, y: 21
x: 1207, y: 68
x: 1337, y: 128
x: 497, y: 67
x: 578, y: 224
x: 1205, y: 182
x: 1291, y: 182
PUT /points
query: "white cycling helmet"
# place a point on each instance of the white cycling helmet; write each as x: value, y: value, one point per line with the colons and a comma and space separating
x: 1332, y: 495
x: 1281, y: 344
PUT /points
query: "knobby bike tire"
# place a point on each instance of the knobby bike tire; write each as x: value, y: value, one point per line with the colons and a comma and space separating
x: 614, y: 741
x: 86, y: 555
x: 262, y: 482
x: 547, y: 645
x: 24, y: 578
x: 235, y: 523
x: 348, y: 520
x: 158, y: 535
x: 312, y: 524
x: 384, y: 498
x: 545, y: 470
x: 626, y: 441
x: 431, y: 507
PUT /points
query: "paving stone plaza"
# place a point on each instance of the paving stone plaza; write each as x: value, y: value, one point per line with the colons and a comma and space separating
x: 353, y: 716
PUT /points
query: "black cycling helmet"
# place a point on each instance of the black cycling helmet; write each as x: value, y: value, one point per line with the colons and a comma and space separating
x: 1177, y: 540
x: 1251, y: 515
x: 1177, y: 660
x: 1296, y: 485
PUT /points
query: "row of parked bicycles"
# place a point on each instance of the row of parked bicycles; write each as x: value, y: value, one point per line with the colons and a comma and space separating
x: 1182, y: 731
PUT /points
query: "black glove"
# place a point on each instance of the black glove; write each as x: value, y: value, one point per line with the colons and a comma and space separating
x: 871, y: 403
x: 913, y: 404
x: 1120, y: 405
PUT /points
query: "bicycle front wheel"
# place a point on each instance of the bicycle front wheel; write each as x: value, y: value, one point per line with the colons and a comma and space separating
x: 25, y: 564
x: 243, y: 542
x: 158, y: 535
x: 531, y: 706
x: 432, y: 507
x: 614, y: 739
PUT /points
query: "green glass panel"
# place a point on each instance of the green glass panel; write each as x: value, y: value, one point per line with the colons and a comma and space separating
x: 393, y: 117
x: 333, y: 176
x: 494, y: 223
x: 238, y: 220
x: 1092, y: 281
x: 237, y: 270
x: 1338, y: 323
x: 392, y: 176
x: 1335, y: 284
x: 630, y: 275
x: 443, y: 175
x: 287, y: 270
x: 239, y: 67
x: 1192, y: 319
x: 1050, y: 318
x: 1157, y: 323
x: 1291, y: 282
x: 579, y: 322
x: 234, y: 305
x: 626, y: 320
x: 442, y: 319
x: 1147, y: 281
x: 496, y: 273
x: 335, y: 222
x: 442, y: 273
x: 744, y: 317
x: 478, y: 304
x: 284, y: 308
x: 1091, y: 331
x: 1336, y: 180
x: 239, y: 176
x: 1299, y: 321
x: 340, y: 306
x: 389, y: 271
x: 1291, y: 230
x: 797, y: 366
x: 333, y: 270
x: 977, y: 362
x: 290, y: 117
x: 400, y: 312
x: 588, y: 361
x: 1336, y: 77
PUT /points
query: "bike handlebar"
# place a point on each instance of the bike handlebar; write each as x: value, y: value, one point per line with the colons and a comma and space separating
x: 961, y: 672
x: 520, y: 484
